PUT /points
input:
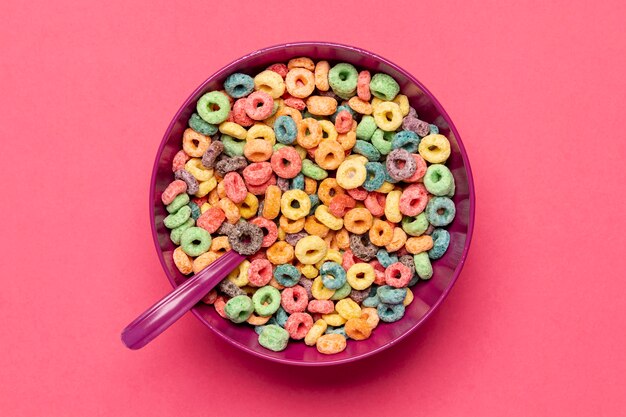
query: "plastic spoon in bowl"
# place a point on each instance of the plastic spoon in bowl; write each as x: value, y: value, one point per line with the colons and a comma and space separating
x: 174, y: 305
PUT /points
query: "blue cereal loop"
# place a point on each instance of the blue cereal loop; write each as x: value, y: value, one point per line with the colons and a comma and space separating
x: 238, y: 85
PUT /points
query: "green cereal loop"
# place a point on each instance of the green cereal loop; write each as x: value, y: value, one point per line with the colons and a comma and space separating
x: 273, y: 337
x: 195, y: 241
x: 384, y: 87
x: 366, y: 128
x: 438, y: 180
x: 311, y: 170
x: 200, y: 126
x: 232, y: 146
x: 175, y: 234
x: 239, y: 308
x: 278, y: 146
x: 206, y: 103
x: 423, y: 267
x: 307, y: 115
x: 342, y: 292
x: 179, y: 201
x: 343, y: 78
x: 382, y: 141
x: 174, y: 220
x: 274, y: 108
x: 415, y: 226
x: 266, y: 300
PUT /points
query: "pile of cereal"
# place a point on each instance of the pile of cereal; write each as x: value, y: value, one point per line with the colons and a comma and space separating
x: 329, y: 183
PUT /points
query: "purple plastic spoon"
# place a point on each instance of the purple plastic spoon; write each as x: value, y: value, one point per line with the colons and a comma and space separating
x: 172, y: 307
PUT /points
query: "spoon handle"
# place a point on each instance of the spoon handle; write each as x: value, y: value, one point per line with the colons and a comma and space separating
x: 175, y: 304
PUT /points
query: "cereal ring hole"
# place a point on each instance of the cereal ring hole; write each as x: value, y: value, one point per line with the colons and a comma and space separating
x: 295, y: 204
x: 433, y: 148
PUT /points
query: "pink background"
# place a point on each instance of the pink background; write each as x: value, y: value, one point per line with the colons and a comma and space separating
x: 535, y: 325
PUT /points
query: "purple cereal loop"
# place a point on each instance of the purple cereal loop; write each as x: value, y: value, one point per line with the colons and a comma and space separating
x: 293, y: 238
x: 307, y: 284
x: 211, y: 154
x: 283, y: 184
x: 246, y: 238
x: 393, y: 161
x: 329, y: 93
x: 412, y: 113
x: 190, y: 180
x: 358, y: 296
x: 362, y: 248
x: 229, y: 288
x: 416, y: 125
x: 407, y: 260
x: 225, y: 229
x: 235, y: 163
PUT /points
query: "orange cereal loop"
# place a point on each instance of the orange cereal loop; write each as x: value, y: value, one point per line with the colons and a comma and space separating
x: 313, y: 227
x: 280, y: 253
x: 360, y: 106
x: 347, y: 140
x: 300, y: 82
x: 258, y: 150
x: 271, y: 205
x: 275, y: 284
x: 220, y: 245
x: 357, y: 329
x: 301, y: 62
x: 221, y: 190
x: 329, y: 154
x: 281, y: 234
x: 397, y: 241
x: 182, y: 261
x: 291, y: 112
x: 321, y: 75
x: 342, y: 239
x: 214, y: 197
x: 291, y: 226
x: 419, y: 244
x: 327, y: 189
x: 331, y: 343
x: 358, y: 220
x: 309, y: 133
x: 321, y: 105
x: 257, y: 320
x: 310, y: 185
x: 381, y: 233
x: 203, y: 261
x: 230, y: 209
x: 194, y: 143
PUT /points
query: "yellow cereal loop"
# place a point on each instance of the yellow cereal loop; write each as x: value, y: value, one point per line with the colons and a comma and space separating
x: 314, y: 333
x: 233, y: 129
x: 328, y: 130
x: 261, y: 131
x: 409, y: 297
x: 206, y: 187
x: 376, y: 101
x: 360, y: 276
x: 434, y: 148
x: 332, y: 255
x: 295, y: 204
x: 351, y: 174
x: 327, y: 219
x: 319, y: 291
x: 239, y: 275
x: 270, y: 82
x: 249, y: 206
x: 301, y: 151
x: 387, y: 116
x: 403, y: 102
x: 310, y: 250
x: 358, y: 158
x: 291, y: 112
x: 392, y: 207
x: 309, y: 271
x: 205, y: 207
x: 348, y: 309
x: 385, y: 188
x: 200, y: 172
x: 333, y: 319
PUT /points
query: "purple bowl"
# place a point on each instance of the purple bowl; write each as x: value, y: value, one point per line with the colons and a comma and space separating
x: 428, y: 294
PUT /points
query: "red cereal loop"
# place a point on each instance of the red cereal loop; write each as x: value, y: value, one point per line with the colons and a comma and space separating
x: 294, y: 299
x: 270, y: 230
x: 260, y: 189
x: 343, y: 121
x: 235, y: 187
x: 419, y: 171
x: 311, y: 152
x: 259, y: 272
x: 298, y: 325
x: 210, y: 297
x: 358, y: 193
x: 259, y: 105
x: 180, y: 159
x: 321, y: 306
x: 340, y: 204
x: 231, y: 117
x: 259, y: 255
x: 296, y: 103
x: 363, y: 86
x: 280, y: 69
x: 286, y: 162
x: 349, y: 259
x: 257, y: 173
x: 219, y: 304
x: 239, y: 113
x: 413, y: 200
x: 398, y: 275
x: 199, y: 201
x: 375, y: 203
x: 175, y: 188
x: 211, y: 219
x: 379, y: 272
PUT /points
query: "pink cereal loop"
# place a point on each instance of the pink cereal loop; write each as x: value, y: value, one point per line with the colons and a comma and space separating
x: 175, y: 188
x: 259, y: 105
x: 363, y: 86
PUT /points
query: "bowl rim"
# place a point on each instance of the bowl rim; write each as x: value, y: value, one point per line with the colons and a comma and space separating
x: 472, y: 199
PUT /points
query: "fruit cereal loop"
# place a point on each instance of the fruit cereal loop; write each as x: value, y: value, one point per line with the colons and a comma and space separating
x: 273, y: 337
x: 316, y: 331
x: 359, y: 193
x: 182, y: 261
x: 400, y: 164
x: 420, y: 169
x: 351, y: 174
x: 347, y: 140
x: 330, y: 344
x: 381, y: 233
x: 329, y: 154
x: 226, y: 165
x: 194, y: 143
x: 286, y: 162
x: 271, y: 207
x: 416, y: 125
x: 358, y: 220
x: 270, y: 82
x: 360, y: 106
x: 295, y: 204
x: 340, y: 204
x: 230, y: 209
x: 348, y: 309
x: 213, y: 107
x: 261, y: 189
x: 321, y: 306
x: 220, y: 245
x: 310, y: 250
x: 173, y: 190
x: 360, y: 276
x: 321, y: 106
x: 435, y: 149
x: 211, y: 219
x: 280, y: 253
x: 235, y: 187
x: 301, y: 62
x: 280, y: 68
x: 375, y: 203
x: 296, y: 103
x: 300, y: 82
x: 357, y: 329
x: 293, y: 238
x: 309, y: 133
x: 190, y: 180
x: 179, y: 160
x: 260, y: 272
x: 397, y: 241
x: 413, y: 200
x: 245, y: 238
x: 387, y: 116
x: 298, y: 325
x: 214, y: 150
x: 359, y: 296
x: 327, y: 219
x: 258, y: 150
x: 362, y: 248
x: 342, y: 239
x: 398, y: 275
x: 363, y: 86
x: 291, y: 226
x: 257, y: 173
x: 314, y: 227
x: 415, y: 245
x: 219, y: 305
x: 269, y: 228
x: 294, y: 299
x: 259, y: 105
x: 328, y: 189
x: 343, y: 122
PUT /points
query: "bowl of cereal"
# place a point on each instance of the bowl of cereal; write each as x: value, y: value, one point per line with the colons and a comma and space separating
x: 340, y: 178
